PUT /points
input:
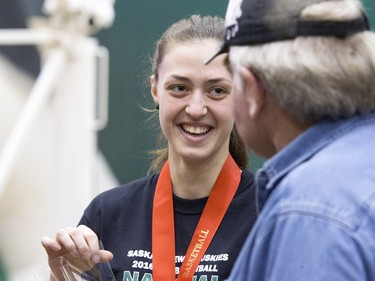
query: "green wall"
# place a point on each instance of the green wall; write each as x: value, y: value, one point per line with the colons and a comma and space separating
x: 3, y: 276
x: 138, y: 24
x: 370, y: 7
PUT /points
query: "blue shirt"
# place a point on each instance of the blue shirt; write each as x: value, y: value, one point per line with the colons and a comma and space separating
x: 317, y: 208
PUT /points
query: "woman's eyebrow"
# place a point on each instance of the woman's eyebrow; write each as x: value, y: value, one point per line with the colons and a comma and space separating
x: 211, y: 81
x: 179, y: 77
x: 217, y: 80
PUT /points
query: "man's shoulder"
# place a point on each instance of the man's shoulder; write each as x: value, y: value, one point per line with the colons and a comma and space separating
x: 323, y: 191
x: 328, y: 187
x: 306, y: 226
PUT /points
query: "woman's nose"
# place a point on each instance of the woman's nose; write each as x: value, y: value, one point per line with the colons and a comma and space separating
x: 196, y: 107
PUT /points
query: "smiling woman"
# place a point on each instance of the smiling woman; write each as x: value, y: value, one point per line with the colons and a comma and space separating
x: 193, y: 37
x: 195, y: 114
x: 195, y: 102
x: 202, y: 191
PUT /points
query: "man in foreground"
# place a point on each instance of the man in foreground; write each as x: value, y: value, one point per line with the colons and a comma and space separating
x: 304, y: 97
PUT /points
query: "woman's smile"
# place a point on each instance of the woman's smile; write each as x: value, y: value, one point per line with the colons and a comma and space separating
x: 195, y: 130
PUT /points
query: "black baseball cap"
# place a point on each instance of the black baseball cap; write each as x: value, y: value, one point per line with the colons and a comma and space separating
x: 250, y: 22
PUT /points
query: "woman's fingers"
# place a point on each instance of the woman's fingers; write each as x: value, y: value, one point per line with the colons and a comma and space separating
x: 68, y: 237
x: 50, y: 244
x: 78, y: 241
x: 52, y: 247
x: 90, y: 246
x: 105, y: 256
x: 78, y: 246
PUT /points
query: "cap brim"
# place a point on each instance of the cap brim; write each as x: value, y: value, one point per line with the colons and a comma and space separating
x: 223, y: 49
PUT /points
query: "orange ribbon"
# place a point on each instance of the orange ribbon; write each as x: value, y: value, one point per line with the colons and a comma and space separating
x: 163, y: 236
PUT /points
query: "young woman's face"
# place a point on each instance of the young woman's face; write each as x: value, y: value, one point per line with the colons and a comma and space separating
x: 195, y: 102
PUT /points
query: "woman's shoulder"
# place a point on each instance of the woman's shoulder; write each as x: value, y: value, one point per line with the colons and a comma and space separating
x: 122, y: 203
x: 134, y: 190
x: 247, y: 178
x: 247, y: 184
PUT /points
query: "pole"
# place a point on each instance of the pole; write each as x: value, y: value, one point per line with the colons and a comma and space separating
x: 40, y: 93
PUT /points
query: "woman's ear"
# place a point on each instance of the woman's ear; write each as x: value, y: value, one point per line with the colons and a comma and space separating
x: 253, y: 90
x: 154, y: 91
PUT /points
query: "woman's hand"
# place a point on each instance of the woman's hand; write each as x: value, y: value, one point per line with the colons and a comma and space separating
x: 79, y: 246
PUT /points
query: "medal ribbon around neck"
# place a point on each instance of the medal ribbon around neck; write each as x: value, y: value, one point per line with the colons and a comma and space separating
x: 163, y: 236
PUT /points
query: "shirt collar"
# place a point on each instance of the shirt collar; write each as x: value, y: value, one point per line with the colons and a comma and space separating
x: 300, y: 149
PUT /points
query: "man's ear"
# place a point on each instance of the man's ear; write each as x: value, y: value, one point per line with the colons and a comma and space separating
x: 253, y: 90
x: 154, y: 91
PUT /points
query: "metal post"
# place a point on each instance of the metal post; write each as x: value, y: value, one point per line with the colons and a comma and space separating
x: 38, y: 97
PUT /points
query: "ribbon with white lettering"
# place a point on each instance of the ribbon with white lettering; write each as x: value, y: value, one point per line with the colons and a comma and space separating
x: 163, y: 237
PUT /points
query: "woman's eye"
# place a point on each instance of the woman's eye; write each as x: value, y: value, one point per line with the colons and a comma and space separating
x: 219, y: 92
x: 179, y: 89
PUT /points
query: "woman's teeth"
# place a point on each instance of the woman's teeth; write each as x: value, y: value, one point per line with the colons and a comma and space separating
x: 195, y: 130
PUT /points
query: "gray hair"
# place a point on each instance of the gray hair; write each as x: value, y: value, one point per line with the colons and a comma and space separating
x: 316, y: 77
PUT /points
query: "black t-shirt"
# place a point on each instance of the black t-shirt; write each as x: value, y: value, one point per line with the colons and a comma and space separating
x: 122, y: 219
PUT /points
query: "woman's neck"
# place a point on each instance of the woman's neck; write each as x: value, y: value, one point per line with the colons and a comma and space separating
x: 192, y: 180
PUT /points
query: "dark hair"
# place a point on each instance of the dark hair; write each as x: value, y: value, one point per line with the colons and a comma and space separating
x: 188, y: 29
x: 193, y: 28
